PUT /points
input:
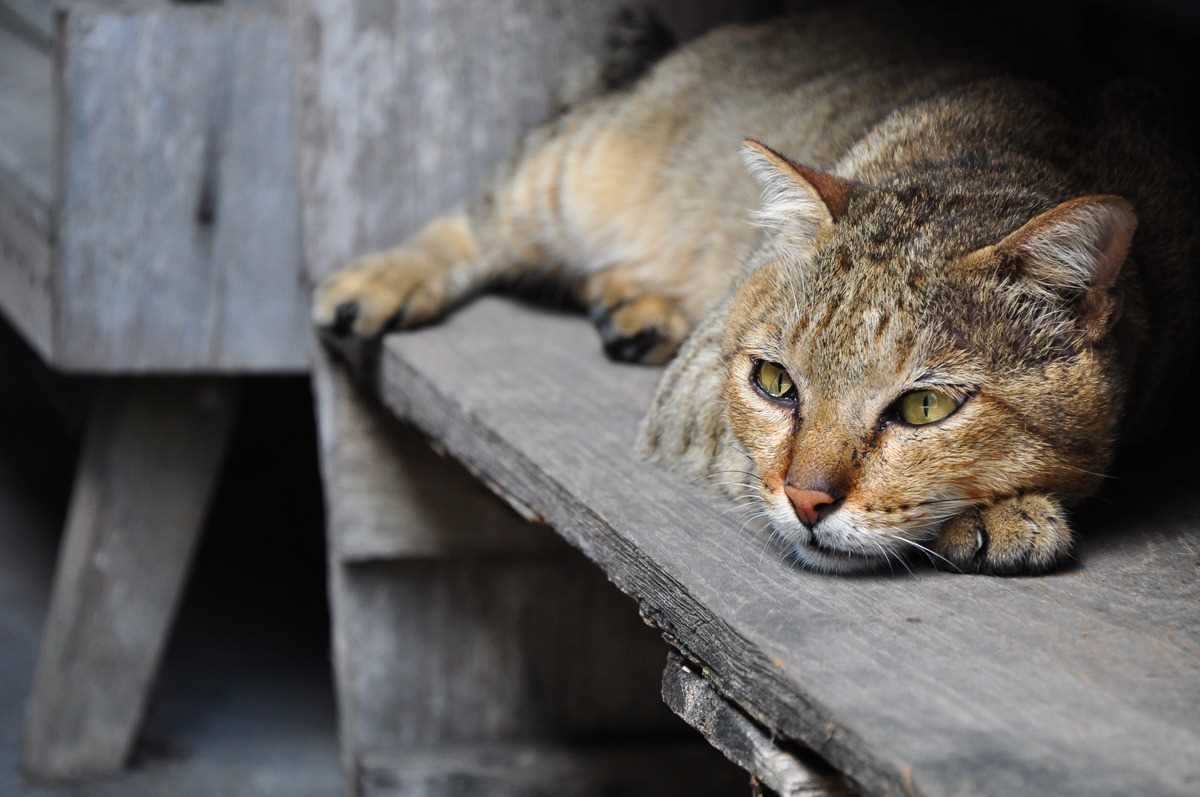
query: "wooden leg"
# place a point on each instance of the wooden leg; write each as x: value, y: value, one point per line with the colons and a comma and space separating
x: 147, y: 471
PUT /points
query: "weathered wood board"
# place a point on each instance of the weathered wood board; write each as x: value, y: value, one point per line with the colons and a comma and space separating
x: 1082, y: 683
x: 146, y: 473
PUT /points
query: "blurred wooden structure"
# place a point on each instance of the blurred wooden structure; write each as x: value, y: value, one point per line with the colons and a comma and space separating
x: 148, y: 228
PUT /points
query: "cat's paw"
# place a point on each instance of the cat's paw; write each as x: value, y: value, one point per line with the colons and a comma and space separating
x: 380, y: 292
x: 1024, y: 534
x: 646, y: 329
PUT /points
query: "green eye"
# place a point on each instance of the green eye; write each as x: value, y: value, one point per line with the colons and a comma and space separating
x: 925, y: 406
x: 774, y: 380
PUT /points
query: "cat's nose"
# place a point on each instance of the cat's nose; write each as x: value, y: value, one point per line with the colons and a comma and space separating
x: 810, y: 505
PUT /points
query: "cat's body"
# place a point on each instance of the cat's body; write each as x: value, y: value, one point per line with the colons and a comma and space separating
x: 934, y: 242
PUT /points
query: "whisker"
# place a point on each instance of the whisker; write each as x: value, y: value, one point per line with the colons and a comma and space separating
x: 928, y: 551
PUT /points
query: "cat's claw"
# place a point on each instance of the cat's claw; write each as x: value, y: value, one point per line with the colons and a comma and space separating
x: 1021, y: 535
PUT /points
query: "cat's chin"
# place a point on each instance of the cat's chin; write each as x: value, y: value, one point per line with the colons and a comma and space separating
x: 835, y: 549
x: 811, y: 555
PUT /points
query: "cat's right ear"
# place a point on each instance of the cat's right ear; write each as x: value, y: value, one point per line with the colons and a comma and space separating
x: 797, y: 200
x: 1075, y: 249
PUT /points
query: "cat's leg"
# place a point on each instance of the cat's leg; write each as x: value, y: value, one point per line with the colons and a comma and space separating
x: 635, y: 323
x: 1023, y: 534
x: 411, y: 284
x: 501, y: 238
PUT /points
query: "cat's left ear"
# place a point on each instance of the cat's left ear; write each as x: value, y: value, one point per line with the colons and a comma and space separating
x: 799, y: 201
x: 1074, y: 249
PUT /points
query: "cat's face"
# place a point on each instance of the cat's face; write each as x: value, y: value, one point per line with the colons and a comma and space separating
x: 889, y: 365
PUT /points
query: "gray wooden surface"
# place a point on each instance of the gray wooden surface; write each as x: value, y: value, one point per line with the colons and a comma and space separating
x: 145, y: 476
x: 178, y: 241
x: 26, y: 180
x: 1082, y: 683
x: 786, y: 772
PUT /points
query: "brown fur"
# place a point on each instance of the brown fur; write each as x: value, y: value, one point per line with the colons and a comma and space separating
x: 929, y: 225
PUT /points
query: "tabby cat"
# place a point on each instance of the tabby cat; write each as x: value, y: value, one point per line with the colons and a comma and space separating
x: 907, y: 315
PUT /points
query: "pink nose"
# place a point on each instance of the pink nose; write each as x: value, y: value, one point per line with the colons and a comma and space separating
x: 809, y: 504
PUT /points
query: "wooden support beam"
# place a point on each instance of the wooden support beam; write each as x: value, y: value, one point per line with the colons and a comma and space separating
x: 791, y: 772
x: 146, y: 474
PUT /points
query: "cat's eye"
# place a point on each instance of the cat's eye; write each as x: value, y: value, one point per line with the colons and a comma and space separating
x: 774, y: 380
x: 920, y: 407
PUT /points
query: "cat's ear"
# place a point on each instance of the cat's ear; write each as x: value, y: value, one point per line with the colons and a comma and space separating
x: 796, y: 199
x: 1074, y: 249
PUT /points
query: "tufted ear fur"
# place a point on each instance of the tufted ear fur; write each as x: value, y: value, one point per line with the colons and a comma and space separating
x: 1074, y: 249
x: 797, y: 201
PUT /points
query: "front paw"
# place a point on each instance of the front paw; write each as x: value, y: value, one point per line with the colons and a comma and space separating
x: 646, y: 329
x: 378, y: 293
x: 1025, y: 534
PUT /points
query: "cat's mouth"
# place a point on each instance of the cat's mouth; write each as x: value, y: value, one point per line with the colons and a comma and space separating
x: 822, y: 555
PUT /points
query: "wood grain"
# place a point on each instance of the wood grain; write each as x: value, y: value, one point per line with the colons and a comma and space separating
x: 1081, y: 683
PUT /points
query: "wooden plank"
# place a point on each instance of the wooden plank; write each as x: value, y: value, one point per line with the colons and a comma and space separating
x: 787, y: 773
x: 1083, y: 683
x: 26, y: 151
x: 648, y: 769
x: 148, y: 468
x: 179, y: 247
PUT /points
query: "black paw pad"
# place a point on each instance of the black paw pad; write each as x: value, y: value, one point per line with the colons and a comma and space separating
x: 631, y: 348
x: 344, y: 317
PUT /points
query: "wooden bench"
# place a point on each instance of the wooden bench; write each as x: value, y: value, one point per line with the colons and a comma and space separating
x: 148, y: 229
x: 1086, y: 682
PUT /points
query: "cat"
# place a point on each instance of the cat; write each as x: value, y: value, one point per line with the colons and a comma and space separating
x: 906, y: 315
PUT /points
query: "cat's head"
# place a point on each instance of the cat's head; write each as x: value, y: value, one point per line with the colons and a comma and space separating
x: 897, y: 354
